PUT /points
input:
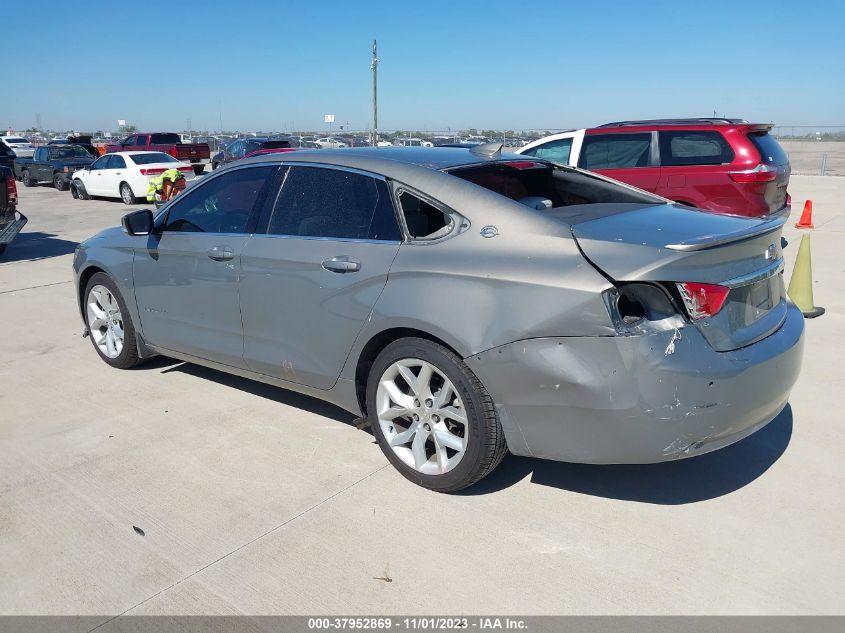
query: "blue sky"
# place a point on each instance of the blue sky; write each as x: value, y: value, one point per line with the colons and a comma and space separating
x: 515, y: 64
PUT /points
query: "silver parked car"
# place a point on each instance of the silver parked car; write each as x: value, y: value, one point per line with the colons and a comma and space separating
x: 465, y: 301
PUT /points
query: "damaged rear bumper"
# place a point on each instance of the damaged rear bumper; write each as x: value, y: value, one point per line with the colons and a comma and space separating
x: 638, y: 399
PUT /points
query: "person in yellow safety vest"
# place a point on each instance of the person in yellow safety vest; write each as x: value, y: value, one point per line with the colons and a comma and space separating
x: 157, y: 183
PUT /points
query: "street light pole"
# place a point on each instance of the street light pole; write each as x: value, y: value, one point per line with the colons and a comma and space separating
x: 374, y: 67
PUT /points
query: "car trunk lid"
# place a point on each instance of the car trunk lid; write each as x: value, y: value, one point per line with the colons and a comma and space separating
x: 671, y: 245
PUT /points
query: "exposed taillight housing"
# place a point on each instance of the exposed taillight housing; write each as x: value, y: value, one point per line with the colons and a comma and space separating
x: 11, y: 191
x: 702, y: 300
x: 761, y: 173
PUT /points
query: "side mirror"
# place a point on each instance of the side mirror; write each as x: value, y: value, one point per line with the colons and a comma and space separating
x: 138, y: 222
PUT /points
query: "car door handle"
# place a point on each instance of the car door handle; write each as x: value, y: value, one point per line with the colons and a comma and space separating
x: 342, y: 264
x: 220, y: 253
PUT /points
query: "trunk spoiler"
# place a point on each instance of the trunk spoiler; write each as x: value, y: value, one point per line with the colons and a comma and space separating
x: 712, y: 241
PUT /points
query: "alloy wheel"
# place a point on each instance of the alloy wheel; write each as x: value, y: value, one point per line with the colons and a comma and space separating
x: 105, y: 322
x: 422, y: 416
x: 127, y: 195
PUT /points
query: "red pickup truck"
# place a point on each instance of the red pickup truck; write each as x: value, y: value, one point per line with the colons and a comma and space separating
x: 198, y: 154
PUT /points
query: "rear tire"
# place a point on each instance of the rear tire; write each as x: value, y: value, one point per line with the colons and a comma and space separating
x: 28, y: 180
x: 109, y: 325
x: 449, y: 410
x: 127, y: 195
x: 199, y: 170
x: 61, y: 184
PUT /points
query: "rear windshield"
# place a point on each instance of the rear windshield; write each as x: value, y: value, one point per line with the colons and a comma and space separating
x: 153, y: 157
x: 769, y: 149
x: 16, y: 139
x: 165, y: 139
x: 275, y: 145
x: 543, y: 186
x: 74, y: 151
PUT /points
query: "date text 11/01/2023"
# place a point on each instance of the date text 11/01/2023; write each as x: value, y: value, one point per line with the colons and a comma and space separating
x: 416, y: 623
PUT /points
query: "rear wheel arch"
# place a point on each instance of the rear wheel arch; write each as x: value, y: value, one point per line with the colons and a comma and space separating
x: 374, y: 347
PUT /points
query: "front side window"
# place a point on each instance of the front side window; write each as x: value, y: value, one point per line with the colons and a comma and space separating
x: 132, y: 141
x: 557, y: 150
x: 319, y: 202
x: 615, y: 151
x: 694, y: 148
x: 100, y: 163
x: 222, y: 205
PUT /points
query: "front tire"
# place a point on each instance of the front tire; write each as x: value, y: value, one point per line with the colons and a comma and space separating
x: 127, y: 195
x: 78, y: 190
x: 110, y: 327
x: 432, y: 417
x: 60, y: 183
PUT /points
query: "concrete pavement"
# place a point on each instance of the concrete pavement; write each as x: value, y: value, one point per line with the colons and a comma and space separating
x: 250, y: 499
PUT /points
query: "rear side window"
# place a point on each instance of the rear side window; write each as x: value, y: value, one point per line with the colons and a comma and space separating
x: 424, y: 220
x: 694, y: 148
x: 117, y: 162
x: 615, y: 151
x: 557, y: 151
x: 165, y: 139
x: 770, y: 150
x: 319, y: 202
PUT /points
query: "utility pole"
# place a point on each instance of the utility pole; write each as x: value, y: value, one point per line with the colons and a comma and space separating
x: 374, y: 68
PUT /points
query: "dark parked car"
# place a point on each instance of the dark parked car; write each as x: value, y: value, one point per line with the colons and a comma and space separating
x: 7, y: 156
x: 423, y: 288
x: 52, y: 163
x: 245, y: 146
x: 11, y: 222
x: 82, y: 141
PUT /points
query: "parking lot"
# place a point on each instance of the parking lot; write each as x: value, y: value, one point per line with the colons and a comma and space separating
x: 176, y: 489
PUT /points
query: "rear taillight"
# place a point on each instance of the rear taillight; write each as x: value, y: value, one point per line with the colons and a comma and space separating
x: 761, y: 173
x: 702, y: 300
x: 11, y: 191
x: 152, y: 171
x: 187, y: 170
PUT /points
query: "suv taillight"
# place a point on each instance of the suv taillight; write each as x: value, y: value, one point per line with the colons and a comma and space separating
x: 11, y: 191
x: 702, y: 300
x: 761, y: 173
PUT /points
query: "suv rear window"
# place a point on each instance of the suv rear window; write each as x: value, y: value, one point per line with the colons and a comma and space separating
x: 694, y: 148
x: 615, y: 151
x: 770, y: 150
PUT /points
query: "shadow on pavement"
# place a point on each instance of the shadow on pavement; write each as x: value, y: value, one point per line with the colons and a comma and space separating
x: 277, y: 394
x: 36, y: 245
x: 668, y: 483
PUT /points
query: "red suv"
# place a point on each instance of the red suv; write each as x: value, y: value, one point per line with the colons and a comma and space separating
x: 725, y: 165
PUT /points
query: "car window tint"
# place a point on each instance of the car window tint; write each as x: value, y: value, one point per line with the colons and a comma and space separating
x: 318, y: 202
x: 615, y: 151
x: 165, y: 139
x: 770, y: 150
x: 694, y: 148
x: 424, y: 220
x: 100, y: 163
x: 223, y: 204
x: 117, y: 162
x: 557, y: 150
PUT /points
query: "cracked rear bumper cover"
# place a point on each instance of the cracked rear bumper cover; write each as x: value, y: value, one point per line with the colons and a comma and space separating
x: 618, y: 400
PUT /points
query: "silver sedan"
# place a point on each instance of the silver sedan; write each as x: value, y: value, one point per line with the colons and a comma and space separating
x: 466, y: 302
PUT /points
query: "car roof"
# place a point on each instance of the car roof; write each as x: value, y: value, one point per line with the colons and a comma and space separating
x: 393, y: 162
x: 678, y: 124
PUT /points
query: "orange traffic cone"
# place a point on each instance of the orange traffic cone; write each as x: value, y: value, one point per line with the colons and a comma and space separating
x: 806, y: 221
